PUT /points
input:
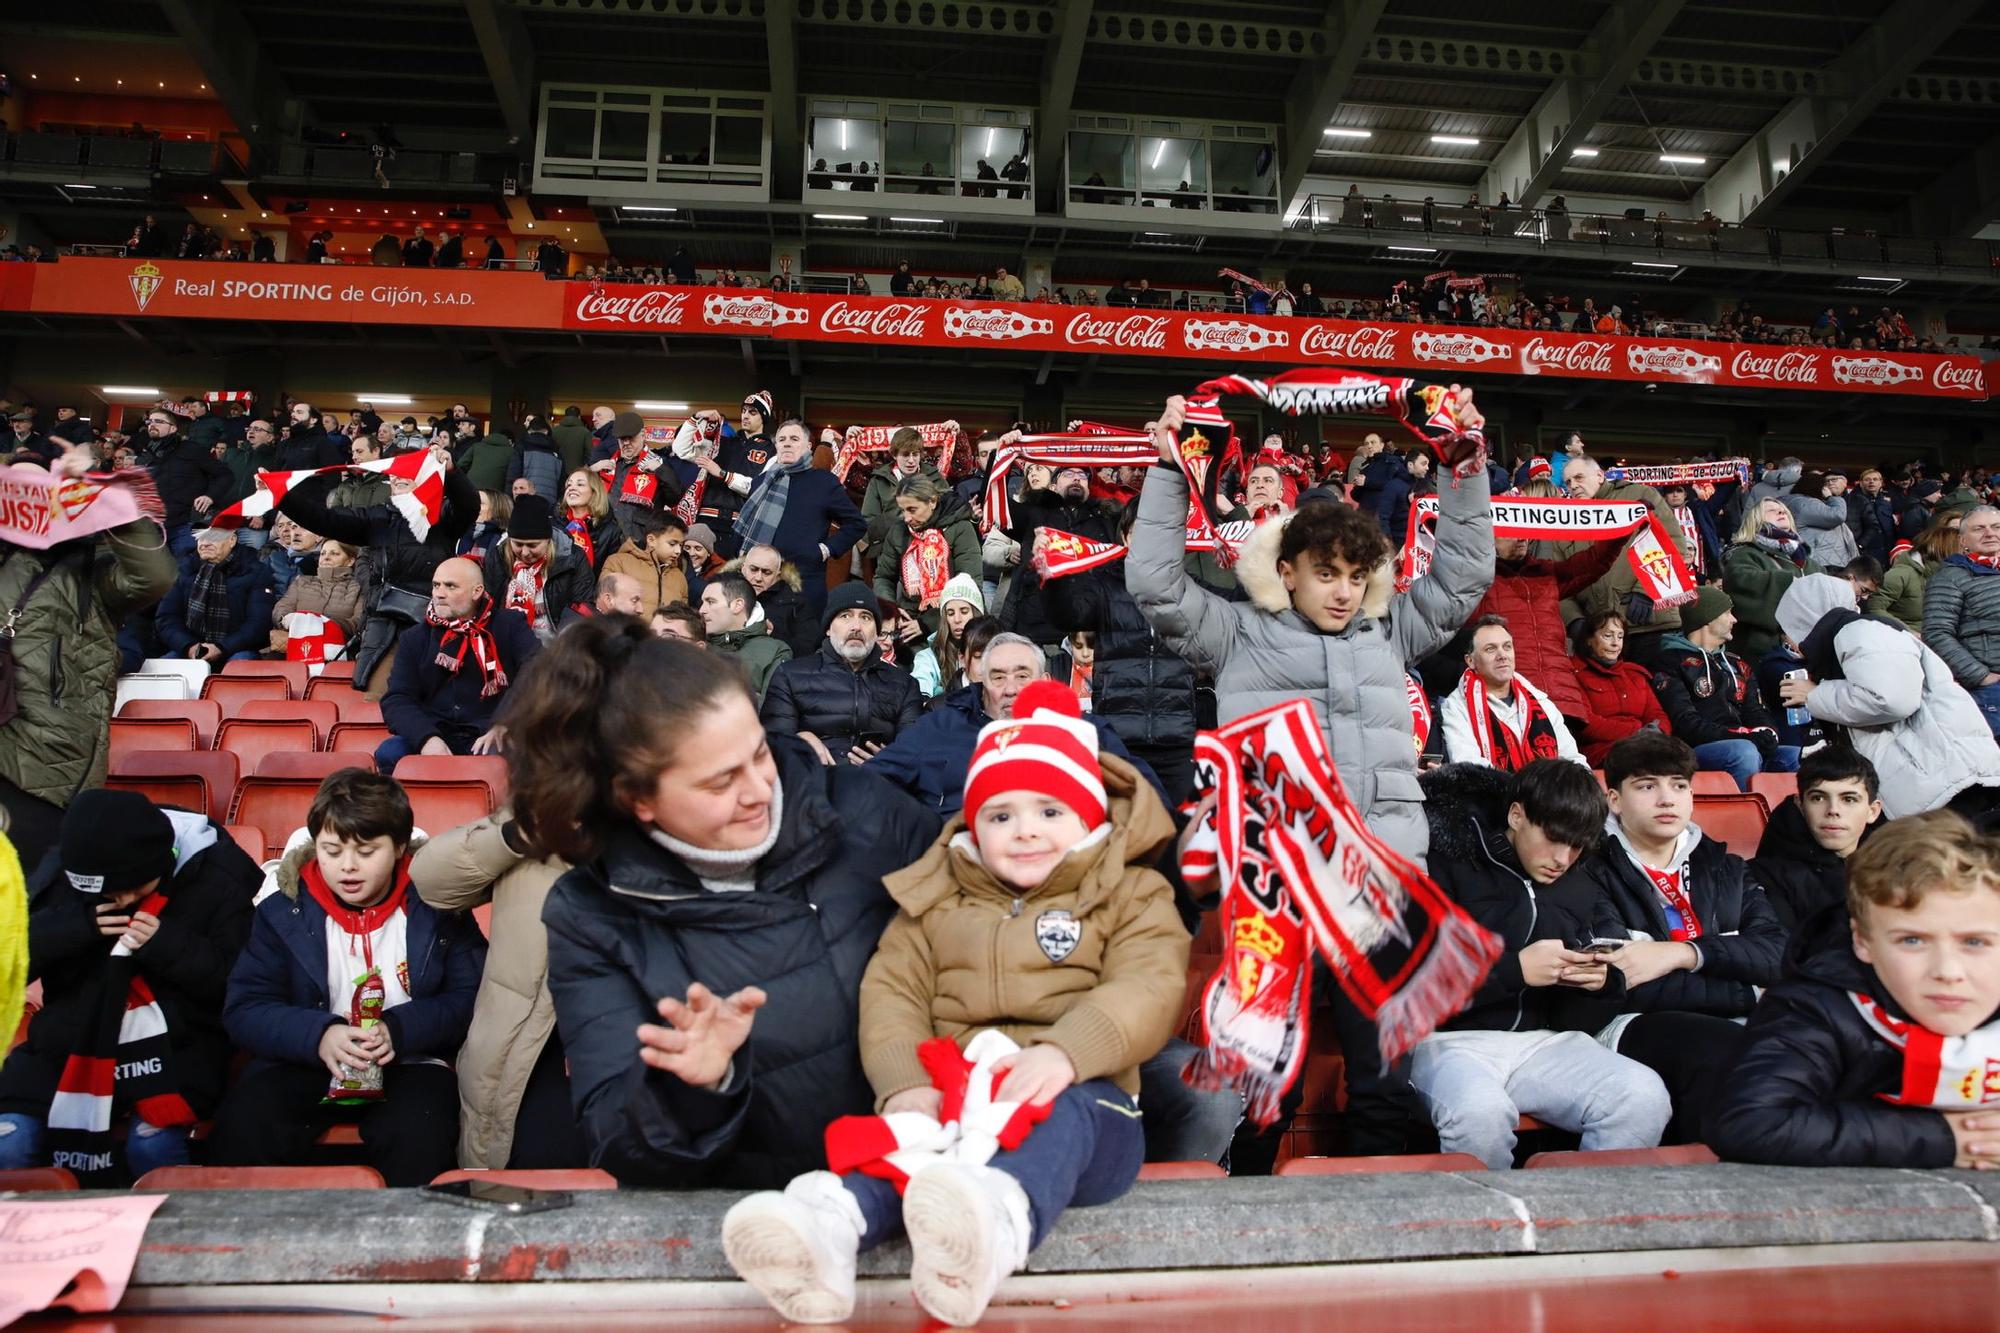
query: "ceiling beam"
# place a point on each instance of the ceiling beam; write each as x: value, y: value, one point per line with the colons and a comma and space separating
x: 510, y: 62
x: 222, y: 44
x: 1962, y: 200
x: 1809, y: 130
x: 1318, y: 86
x: 1060, y: 62
x: 781, y: 50
x: 1562, y: 118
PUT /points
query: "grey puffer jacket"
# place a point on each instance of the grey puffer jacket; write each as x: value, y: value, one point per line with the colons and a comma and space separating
x: 1263, y: 652
x: 1962, y: 619
x: 1823, y: 526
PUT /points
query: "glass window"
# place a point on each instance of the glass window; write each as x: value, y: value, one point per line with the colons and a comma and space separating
x: 1244, y: 168
x: 841, y: 150
x: 739, y: 141
x: 1102, y: 165
x: 621, y: 136
x: 919, y: 153
x: 684, y: 137
x: 1172, y: 168
x: 996, y: 146
x: 572, y: 132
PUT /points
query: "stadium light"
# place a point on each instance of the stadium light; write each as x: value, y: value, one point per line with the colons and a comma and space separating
x: 1350, y: 134
x: 928, y: 222
x: 661, y: 407
x: 840, y: 217
x: 1683, y: 160
x: 1455, y: 140
x: 398, y: 399
x: 1159, y: 151
x: 129, y: 391
x: 1583, y: 152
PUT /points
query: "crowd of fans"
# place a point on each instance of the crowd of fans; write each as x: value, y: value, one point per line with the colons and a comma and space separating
x: 807, y: 773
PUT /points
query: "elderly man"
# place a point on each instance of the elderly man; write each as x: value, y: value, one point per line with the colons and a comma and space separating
x: 736, y: 625
x: 30, y: 445
x: 792, y: 505
x: 1497, y: 717
x: 619, y: 595
x: 778, y: 594
x: 452, y: 671
x: 1584, y: 479
x: 219, y: 609
x: 1962, y: 612
x: 844, y: 700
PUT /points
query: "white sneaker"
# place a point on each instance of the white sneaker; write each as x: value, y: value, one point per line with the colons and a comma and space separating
x: 798, y: 1248
x: 968, y: 1229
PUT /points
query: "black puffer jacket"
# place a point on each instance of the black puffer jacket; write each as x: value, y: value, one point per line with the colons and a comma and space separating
x: 824, y: 695
x: 1809, y: 1074
x: 637, y: 924
x: 397, y: 555
x: 1474, y: 863
x: 1143, y: 688
x: 1800, y: 878
x: 1023, y: 612
x: 310, y: 446
x: 568, y: 584
x: 1742, y: 945
x: 184, y: 471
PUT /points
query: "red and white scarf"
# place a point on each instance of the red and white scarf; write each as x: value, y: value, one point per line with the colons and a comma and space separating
x: 927, y: 566
x: 1422, y: 719
x: 577, y: 527
x: 368, y: 997
x: 420, y: 467
x: 1499, y: 744
x: 638, y: 486
x: 941, y: 441
x: 1656, y: 563
x: 1682, y: 474
x: 1300, y: 872
x: 1989, y: 561
x: 1943, y: 1073
x: 1685, y: 517
x: 126, y: 1060
x: 1671, y: 884
x: 471, y: 635
x: 971, y: 1126
x: 524, y: 589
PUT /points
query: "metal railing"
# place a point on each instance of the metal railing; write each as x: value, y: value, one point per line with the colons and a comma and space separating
x: 111, y: 153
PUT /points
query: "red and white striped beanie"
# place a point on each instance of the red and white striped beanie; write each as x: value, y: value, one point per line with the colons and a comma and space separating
x: 1045, y: 747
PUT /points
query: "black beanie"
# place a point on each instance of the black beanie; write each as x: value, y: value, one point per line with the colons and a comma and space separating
x: 114, y: 841
x: 530, y: 521
x: 852, y: 595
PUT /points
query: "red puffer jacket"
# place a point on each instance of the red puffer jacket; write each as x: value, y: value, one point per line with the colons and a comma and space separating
x: 1618, y: 700
x: 1529, y: 594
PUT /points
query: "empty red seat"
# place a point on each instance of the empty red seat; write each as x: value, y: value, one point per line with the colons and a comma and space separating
x: 319, y: 765
x: 275, y: 807
x: 1685, y: 1154
x: 36, y: 1180
x: 260, y: 1178
x: 490, y: 769
x: 150, y: 733
x: 217, y: 770
x: 295, y: 674
x: 1182, y: 1171
x: 1737, y: 822
x: 322, y: 713
x: 577, y: 1178
x: 206, y: 714
x: 184, y: 791
x: 1714, y: 782
x: 358, y: 737
x: 249, y: 839
x: 332, y: 687
x: 232, y: 692
x: 447, y: 803
x: 1372, y: 1166
x: 1775, y: 788
x: 253, y: 738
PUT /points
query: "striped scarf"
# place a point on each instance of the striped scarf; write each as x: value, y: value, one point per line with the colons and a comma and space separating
x: 1943, y: 1073
x: 472, y: 634
x: 764, y: 508
x: 207, y: 615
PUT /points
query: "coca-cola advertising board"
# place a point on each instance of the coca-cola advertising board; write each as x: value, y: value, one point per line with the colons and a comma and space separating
x: 152, y: 289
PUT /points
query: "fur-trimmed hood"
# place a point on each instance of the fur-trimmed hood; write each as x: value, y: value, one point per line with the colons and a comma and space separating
x: 1257, y: 571
x: 1466, y: 804
x: 788, y: 573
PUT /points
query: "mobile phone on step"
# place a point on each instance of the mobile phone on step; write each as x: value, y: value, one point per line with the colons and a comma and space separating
x: 511, y: 1199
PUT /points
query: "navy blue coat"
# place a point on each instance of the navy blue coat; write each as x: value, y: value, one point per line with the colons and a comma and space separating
x: 815, y: 501
x: 1384, y: 491
x: 637, y: 924
x: 278, y: 1007
x: 1874, y: 522
x: 252, y: 595
x: 424, y: 700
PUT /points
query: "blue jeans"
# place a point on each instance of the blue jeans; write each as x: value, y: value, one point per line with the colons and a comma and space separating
x: 1087, y: 1152
x: 1988, y: 699
x: 146, y: 1146
x: 1742, y: 760
x: 391, y: 750
x: 180, y: 541
x: 1184, y: 1124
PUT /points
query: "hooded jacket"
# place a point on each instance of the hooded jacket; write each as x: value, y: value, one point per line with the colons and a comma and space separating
x: 1800, y: 878
x: 658, y: 583
x: 334, y: 593
x: 247, y: 588
x: 1093, y: 961
x: 1823, y: 526
x: 1264, y: 652
x: 1902, y: 592
x: 1962, y: 619
x: 485, y: 461
x: 1776, y: 483
x: 1618, y: 700
x: 537, y: 458
x: 756, y: 648
x: 878, y: 502
x: 1897, y: 699
x: 637, y: 924
x: 1138, y: 684
x: 187, y: 962
x: 1706, y: 695
x: 838, y: 703
x: 956, y: 522
x: 1755, y: 577
x: 1809, y: 1073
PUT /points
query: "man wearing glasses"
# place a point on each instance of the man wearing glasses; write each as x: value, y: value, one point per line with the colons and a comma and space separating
x: 193, y: 483
x: 256, y: 452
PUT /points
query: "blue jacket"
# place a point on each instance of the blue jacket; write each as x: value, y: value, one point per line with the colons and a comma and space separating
x: 1873, y: 519
x: 251, y: 599
x: 424, y: 700
x: 929, y: 760
x: 277, y: 1006
x: 815, y: 500
x: 1384, y: 491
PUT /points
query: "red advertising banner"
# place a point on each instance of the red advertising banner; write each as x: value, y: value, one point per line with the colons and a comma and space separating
x: 474, y: 297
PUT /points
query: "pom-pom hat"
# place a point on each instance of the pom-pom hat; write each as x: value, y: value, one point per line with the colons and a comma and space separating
x: 1046, y: 747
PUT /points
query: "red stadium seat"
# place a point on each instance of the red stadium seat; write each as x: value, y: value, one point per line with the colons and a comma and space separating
x: 36, y: 1180
x: 275, y: 807
x: 220, y: 770
x: 1712, y: 782
x: 441, y: 804
x: 1598, y: 773
x: 344, y: 696
x: 1686, y: 1154
x: 490, y: 769
x: 206, y: 714
x: 232, y: 692
x: 183, y: 791
x: 1372, y: 1166
x: 341, y: 670
x: 319, y: 765
x: 578, y: 1178
x: 249, y: 839
x: 322, y: 713
x: 1775, y: 788
x: 1737, y: 822
x: 358, y: 738
x: 294, y: 674
x: 1182, y: 1171
x: 253, y: 738
x: 260, y: 1178
x: 150, y: 733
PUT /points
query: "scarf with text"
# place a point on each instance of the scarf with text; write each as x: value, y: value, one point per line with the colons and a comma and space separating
x: 927, y: 566
x: 1422, y: 719
x: 1942, y: 1073
x: 1300, y: 873
x: 1671, y: 884
x: 125, y: 1060
x: 1064, y: 553
x: 1654, y: 558
x: 1684, y: 516
x: 764, y: 508
x: 697, y: 438
x: 419, y: 466
x: 39, y: 509
x: 1499, y: 744
x: 638, y: 484
x: 472, y: 635
x: 1723, y: 469
x: 943, y: 441
x: 365, y: 1005
x: 970, y: 1127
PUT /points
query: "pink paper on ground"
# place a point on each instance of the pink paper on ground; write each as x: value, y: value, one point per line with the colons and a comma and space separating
x: 45, y: 1245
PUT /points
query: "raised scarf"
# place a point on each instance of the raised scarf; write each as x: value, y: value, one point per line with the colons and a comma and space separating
x: 764, y: 508
x: 126, y: 1060
x: 1498, y: 743
x: 1942, y: 1073
x: 1421, y: 717
x: 524, y: 589
x: 207, y: 615
x: 368, y: 1000
x: 472, y: 634
x: 638, y: 486
x: 927, y: 566
x: 1655, y: 560
x: 1300, y: 873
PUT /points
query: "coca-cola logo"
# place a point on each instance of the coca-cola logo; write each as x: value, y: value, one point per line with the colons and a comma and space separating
x: 1582, y: 356
x: 1877, y: 371
x: 1459, y: 349
x: 1782, y: 368
x: 1147, y: 333
x: 1370, y: 342
x: 1231, y: 335
x: 1960, y: 379
x: 653, y: 309
x: 1671, y: 360
x: 759, y: 312
x: 897, y: 319
x: 993, y: 323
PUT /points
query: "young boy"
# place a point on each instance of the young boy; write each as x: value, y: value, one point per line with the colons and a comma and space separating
x: 652, y: 557
x: 1502, y: 845
x: 1034, y: 917
x: 1877, y: 1050
x: 1702, y: 937
x: 1802, y: 861
x: 350, y: 998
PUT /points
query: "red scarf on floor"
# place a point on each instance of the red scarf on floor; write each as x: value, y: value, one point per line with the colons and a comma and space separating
x: 1943, y: 1073
x: 472, y: 634
x: 1498, y: 745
